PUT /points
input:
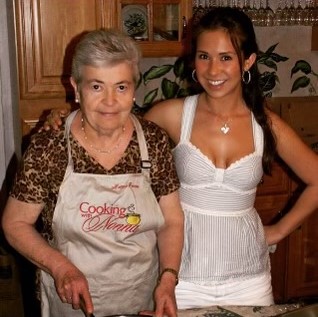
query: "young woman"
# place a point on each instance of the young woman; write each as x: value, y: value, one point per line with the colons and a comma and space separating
x: 225, y: 138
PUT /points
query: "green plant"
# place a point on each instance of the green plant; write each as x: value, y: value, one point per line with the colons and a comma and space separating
x: 269, y: 79
x: 303, y: 81
x: 168, y: 88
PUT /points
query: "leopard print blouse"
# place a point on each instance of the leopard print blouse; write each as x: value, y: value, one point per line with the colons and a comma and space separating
x: 45, y: 160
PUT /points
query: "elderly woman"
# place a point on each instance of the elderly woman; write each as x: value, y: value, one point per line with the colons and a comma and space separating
x: 105, y: 187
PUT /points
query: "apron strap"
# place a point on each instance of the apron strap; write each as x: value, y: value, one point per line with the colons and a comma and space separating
x: 68, y: 124
x: 145, y: 162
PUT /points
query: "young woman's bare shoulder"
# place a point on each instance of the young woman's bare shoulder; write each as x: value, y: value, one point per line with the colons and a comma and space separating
x: 278, y: 125
x: 166, y: 113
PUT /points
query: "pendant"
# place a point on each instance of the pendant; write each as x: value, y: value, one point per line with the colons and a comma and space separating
x: 225, y: 128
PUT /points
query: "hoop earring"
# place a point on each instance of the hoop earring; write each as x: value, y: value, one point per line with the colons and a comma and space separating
x: 248, y: 79
x: 193, y: 76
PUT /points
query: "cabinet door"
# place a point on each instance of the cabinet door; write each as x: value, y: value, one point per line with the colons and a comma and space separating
x: 272, y: 197
x: 46, y: 35
x: 302, y: 278
x: 295, y: 262
x: 159, y: 26
x: 268, y: 207
x: 277, y: 183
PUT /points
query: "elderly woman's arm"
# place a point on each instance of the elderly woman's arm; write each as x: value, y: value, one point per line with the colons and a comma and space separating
x: 18, y: 224
x: 170, y: 242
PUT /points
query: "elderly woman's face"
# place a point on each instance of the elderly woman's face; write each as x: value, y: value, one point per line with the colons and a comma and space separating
x: 106, y: 95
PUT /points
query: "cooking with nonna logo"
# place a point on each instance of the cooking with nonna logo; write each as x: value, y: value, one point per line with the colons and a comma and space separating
x: 108, y: 212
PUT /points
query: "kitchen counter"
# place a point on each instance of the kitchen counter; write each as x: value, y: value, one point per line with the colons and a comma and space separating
x: 238, y: 311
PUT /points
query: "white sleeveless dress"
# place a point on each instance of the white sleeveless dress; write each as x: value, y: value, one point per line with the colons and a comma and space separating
x: 225, y: 258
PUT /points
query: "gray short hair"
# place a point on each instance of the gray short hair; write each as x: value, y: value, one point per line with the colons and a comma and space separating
x: 105, y: 47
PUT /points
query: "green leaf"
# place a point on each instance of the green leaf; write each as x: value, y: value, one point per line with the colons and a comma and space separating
x: 269, y: 63
x: 271, y: 49
x: 300, y: 82
x: 178, y: 68
x: 270, y: 55
x: 156, y: 72
x: 169, y: 88
x: 261, y: 58
x: 278, y: 58
x: 302, y: 66
x: 150, y: 97
x: 267, y: 81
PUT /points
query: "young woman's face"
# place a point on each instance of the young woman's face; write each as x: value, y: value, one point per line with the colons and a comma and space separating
x: 217, y: 64
x: 106, y: 95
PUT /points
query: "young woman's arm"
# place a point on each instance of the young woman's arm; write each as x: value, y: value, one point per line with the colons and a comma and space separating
x: 304, y: 163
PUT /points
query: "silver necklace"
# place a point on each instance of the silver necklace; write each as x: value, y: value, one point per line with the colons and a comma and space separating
x: 225, y: 128
x: 103, y: 151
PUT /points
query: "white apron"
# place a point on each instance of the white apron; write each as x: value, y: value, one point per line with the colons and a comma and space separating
x: 107, y: 226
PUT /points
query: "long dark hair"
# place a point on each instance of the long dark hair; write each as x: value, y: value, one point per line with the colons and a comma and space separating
x: 240, y: 29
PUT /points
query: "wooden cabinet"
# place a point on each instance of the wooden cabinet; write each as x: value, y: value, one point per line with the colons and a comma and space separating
x: 159, y: 26
x: 302, y: 258
x: 302, y: 255
x: 272, y: 197
x: 47, y: 32
x: 295, y: 262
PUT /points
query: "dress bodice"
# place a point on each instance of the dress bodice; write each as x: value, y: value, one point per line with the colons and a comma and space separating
x: 198, y: 173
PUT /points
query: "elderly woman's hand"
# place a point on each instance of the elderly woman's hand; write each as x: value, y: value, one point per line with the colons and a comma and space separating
x: 54, y: 119
x: 165, y: 297
x: 72, y: 287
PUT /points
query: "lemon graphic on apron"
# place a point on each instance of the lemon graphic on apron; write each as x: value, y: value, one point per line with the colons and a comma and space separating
x: 133, y: 218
